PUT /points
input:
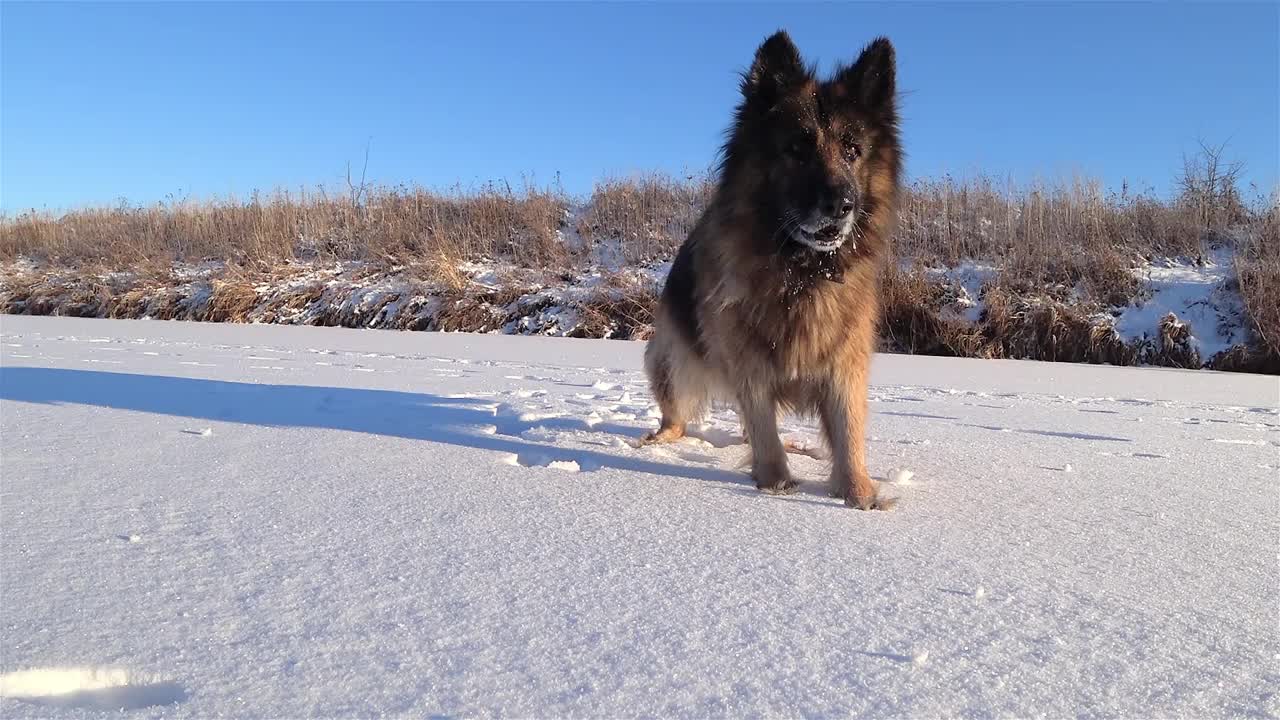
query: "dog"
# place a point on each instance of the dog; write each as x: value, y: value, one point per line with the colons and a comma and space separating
x: 772, y: 302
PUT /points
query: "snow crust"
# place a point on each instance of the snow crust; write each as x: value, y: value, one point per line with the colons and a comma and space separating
x: 201, y: 520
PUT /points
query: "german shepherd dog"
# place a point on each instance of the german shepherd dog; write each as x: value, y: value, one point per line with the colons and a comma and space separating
x: 772, y: 301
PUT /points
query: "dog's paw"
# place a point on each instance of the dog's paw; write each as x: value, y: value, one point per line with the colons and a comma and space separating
x: 774, y: 480
x: 660, y: 436
x: 862, y: 495
x: 870, y: 502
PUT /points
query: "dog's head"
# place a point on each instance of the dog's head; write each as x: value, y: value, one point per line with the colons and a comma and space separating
x: 816, y: 159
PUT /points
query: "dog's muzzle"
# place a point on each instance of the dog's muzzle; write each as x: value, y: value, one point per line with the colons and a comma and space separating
x: 828, y: 237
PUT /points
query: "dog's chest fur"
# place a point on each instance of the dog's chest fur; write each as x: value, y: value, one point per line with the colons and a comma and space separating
x: 802, y: 318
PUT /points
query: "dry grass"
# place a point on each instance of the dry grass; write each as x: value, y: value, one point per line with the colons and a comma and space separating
x: 1017, y: 322
x: 647, y: 217
x: 1258, y: 272
x: 1066, y: 234
x: 1069, y: 234
x: 622, y: 307
x: 913, y: 318
x: 386, y: 225
x: 1063, y: 252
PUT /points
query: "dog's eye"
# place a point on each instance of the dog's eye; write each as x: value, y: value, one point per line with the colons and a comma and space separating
x: 853, y: 150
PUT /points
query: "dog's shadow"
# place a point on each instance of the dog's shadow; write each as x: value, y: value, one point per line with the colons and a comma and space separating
x: 416, y: 416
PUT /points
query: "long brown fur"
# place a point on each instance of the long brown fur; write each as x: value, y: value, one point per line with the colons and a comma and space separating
x: 757, y: 309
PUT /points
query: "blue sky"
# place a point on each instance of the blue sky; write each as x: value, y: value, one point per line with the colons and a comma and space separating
x: 105, y: 101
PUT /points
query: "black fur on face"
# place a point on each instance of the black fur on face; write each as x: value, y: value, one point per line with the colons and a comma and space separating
x: 811, y: 158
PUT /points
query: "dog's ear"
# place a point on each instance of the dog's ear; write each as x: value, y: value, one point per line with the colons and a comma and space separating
x: 870, y: 81
x: 776, y: 69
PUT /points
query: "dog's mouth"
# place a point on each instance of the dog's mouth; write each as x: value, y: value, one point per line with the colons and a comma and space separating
x: 826, y: 239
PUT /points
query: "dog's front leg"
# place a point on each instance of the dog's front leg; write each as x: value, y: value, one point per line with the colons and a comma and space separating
x: 768, y: 457
x: 844, y: 413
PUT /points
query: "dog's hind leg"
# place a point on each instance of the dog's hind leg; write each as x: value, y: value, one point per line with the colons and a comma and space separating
x: 679, y: 394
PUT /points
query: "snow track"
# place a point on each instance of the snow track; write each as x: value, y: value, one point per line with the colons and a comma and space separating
x: 286, y: 522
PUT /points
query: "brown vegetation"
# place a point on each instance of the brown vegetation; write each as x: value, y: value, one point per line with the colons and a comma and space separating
x: 1063, y: 254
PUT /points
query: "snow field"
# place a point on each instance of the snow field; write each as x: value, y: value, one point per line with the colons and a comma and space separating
x: 271, y: 521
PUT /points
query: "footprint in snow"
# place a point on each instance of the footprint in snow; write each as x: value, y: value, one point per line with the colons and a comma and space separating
x: 539, y: 460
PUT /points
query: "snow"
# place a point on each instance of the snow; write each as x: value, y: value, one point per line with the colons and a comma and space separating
x: 89, y: 688
x: 966, y: 279
x: 1195, y: 294
x: 392, y: 524
x: 898, y: 476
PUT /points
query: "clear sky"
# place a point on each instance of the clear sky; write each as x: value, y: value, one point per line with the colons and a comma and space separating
x: 105, y: 101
